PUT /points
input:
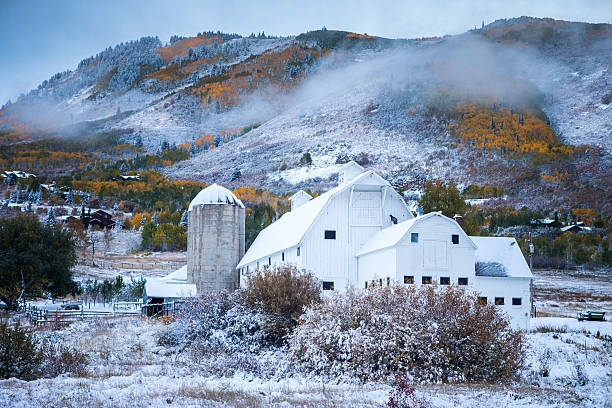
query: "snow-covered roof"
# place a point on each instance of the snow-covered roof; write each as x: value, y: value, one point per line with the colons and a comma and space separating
x: 300, y: 195
x: 500, y: 250
x: 215, y: 194
x: 173, y: 285
x: 389, y: 237
x: 169, y: 289
x: 289, y: 229
x: 179, y: 275
x: 574, y: 226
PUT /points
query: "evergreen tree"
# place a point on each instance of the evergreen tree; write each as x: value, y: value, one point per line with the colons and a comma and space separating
x: 50, y: 220
x: 35, y: 259
x: 184, y: 219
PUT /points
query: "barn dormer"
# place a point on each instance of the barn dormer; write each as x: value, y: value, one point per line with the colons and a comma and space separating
x: 349, y: 171
x: 298, y: 199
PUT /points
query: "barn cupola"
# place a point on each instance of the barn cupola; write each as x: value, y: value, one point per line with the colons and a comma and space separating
x: 348, y: 172
x: 298, y: 199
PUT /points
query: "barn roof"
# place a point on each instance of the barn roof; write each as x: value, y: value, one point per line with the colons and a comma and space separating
x: 500, y: 256
x: 289, y: 229
x: 215, y: 194
x: 389, y: 237
x: 173, y: 285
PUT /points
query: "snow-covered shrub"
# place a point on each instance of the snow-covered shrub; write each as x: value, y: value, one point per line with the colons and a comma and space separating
x: 58, y: 358
x: 19, y: 354
x: 280, y: 295
x: 429, y: 333
x: 403, y: 395
x: 214, y: 322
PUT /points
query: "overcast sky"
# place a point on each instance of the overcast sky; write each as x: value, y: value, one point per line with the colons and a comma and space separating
x: 42, y: 37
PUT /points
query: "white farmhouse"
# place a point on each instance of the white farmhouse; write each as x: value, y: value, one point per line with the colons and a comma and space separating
x: 361, y: 233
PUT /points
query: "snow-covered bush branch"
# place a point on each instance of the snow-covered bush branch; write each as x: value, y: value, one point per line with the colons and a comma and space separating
x: 428, y: 333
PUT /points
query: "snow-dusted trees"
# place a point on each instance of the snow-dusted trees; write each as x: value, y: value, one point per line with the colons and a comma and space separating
x: 50, y: 220
x: 429, y: 333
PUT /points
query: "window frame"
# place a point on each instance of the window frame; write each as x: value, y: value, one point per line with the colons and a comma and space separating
x: 446, y: 280
x: 298, y: 251
x: 329, y: 234
x: 500, y: 301
x: 414, y: 237
x: 455, y: 237
x: 517, y: 301
x: 482, y: 300
x: 408, y: 279
x: 282, y: 257
x: 426, y: 280
x: 328, y: 284
x: 461, y: 280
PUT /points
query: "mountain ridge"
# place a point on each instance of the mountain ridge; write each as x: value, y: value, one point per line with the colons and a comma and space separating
x: 416, y: 109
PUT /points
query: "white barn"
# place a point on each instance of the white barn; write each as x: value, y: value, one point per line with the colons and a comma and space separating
x: 361, y: 233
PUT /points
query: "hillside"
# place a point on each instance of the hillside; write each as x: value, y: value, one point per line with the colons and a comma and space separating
x: 521, y: 103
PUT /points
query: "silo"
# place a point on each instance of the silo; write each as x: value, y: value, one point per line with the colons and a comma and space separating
x: 215, y: 239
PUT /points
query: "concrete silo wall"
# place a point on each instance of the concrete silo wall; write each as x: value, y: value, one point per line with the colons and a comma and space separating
x: 215, y: 245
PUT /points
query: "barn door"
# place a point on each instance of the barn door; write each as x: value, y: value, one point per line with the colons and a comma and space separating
x: 434, y: 254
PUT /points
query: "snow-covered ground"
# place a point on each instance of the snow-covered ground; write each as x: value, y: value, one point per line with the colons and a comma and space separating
x: 563, y: 293
x: 129, y: 369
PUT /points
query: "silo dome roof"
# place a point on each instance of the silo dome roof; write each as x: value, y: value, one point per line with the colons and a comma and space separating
x: 215, y: 194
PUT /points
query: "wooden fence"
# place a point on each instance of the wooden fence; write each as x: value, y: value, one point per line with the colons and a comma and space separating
x: 38, y: 316
x: 161, y: 309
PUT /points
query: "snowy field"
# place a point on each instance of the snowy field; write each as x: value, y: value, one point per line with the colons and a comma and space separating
x: 568, y: 364
x: 129, y: 369
x: 563, y: 293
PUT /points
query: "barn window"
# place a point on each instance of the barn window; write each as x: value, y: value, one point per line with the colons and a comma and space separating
x: 462, y: 281
x: 408, y: 279
x: 366, y: 284
x: 517, y: 301
x: 499, y: 300
x: 328, y: 285
x: 455, y: 239
x: 258, y: 265
x: 283, y: 257
x: 269, y: 261
x: 388, y: 281
x: 247, y: 268
x: 298, y: 251
x: 414, y: 237
x: 444, y: 280
x: 426, y: 280
x: 330, y: 234
x: 393, y: 219
x: 482, y: 300
x: 380, y: 282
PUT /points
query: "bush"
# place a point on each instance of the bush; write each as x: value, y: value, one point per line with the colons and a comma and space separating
x: 429, y: 333
x: 214, y: 323
x: 403, y: 396
x: 19, y: 355
x: 280, y: 294
x: 58, y: 359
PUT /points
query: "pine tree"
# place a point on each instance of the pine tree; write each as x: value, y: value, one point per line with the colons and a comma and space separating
x: 50, y: 220
x: 184, y: 219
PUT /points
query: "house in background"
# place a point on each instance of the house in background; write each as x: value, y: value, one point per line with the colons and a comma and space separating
x: 99, y: 218
x: 361, y: 233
